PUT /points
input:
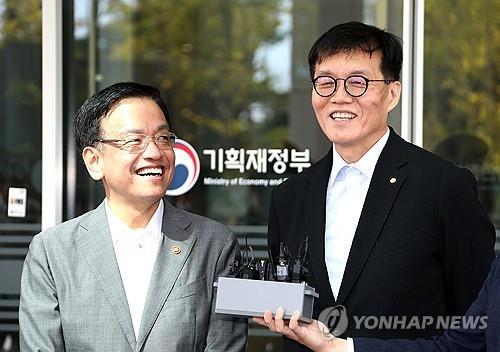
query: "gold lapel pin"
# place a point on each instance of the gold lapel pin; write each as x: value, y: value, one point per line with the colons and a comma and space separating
x: 392, y: 180
x: 176, y: 249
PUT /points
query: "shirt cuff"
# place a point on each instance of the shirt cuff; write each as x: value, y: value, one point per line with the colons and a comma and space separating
x: 350, y: 345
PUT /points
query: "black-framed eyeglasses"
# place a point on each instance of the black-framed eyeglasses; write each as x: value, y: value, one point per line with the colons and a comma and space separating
x: 137, y: 143
x: 355, y: 85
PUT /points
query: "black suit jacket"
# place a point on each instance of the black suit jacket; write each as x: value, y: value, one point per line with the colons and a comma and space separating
x: 423, y: 244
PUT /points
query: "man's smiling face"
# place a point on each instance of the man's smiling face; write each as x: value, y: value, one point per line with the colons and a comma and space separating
x: 135, y: 178
x: 354, y: 123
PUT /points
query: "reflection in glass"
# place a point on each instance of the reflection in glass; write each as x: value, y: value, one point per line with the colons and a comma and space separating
x: 234, y: 75
x: 20, y: 150
x: 212, y: 61
x: 20, y: 106
x: 462, y: 90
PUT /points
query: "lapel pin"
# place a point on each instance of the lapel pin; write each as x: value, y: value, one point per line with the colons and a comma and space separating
x: 176, y: 249
x: 392, y: 180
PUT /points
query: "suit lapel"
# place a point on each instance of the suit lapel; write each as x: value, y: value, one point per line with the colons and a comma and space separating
x: 95, y: 244
x: 168, y: 265
x: 386, y: 182
x: 314, y: 211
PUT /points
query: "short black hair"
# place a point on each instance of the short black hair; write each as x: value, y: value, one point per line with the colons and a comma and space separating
x: 353, y: 36
x: 87, y: 122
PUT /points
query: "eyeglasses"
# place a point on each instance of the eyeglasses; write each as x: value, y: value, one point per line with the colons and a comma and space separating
x: 137, y: 143
x: 355, y: 86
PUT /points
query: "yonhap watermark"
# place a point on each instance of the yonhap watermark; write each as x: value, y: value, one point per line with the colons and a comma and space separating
x: 336, y: 321
x: 421, y: 322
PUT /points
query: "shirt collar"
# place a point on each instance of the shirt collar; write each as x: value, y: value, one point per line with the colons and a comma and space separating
x: 366, y: 165
x: 119, y: 229
x: 337, y: 165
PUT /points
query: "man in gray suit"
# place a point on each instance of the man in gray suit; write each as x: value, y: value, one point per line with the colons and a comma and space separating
x: 136, y: 273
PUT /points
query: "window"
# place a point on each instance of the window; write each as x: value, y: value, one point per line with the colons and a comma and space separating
x: 20, y: 150
x: 462, y: 91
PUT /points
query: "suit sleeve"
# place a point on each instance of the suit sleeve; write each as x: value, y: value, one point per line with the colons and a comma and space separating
x: 226, y: 333
x: 39, y: 318
x: 469, y: 240
x: 453, y: 340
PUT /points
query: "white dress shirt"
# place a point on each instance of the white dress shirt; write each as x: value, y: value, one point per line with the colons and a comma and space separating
x: 345, y: 196
x: 136, y: 252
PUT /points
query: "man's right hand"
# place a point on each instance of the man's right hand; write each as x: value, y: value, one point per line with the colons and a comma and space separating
x: 314, y: 335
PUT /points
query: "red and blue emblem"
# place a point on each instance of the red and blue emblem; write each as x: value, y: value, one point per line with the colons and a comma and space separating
x: 187, y: 168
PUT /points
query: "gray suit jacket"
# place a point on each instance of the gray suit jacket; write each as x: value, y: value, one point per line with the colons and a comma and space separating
x: 72, y: 297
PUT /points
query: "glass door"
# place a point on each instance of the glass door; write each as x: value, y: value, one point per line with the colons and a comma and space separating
x: 20, y: 151
x: 461, y: 108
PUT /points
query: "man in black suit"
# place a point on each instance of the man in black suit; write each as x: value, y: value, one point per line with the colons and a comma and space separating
x: 393, y: 229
